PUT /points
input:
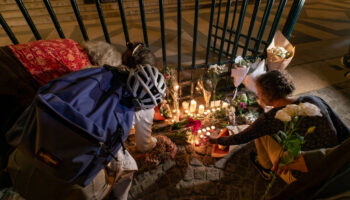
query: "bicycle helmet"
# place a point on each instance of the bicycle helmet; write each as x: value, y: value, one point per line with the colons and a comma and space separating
x: 147, y: 85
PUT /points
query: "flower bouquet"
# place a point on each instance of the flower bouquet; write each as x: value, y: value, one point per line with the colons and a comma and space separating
x: 164, y: 150
x: 289, y: 139
x: 279, y: 53
x: 172, y: 90
x: 207, y: 84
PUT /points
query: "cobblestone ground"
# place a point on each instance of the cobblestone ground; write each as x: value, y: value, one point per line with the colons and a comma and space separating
x: 193, y: 175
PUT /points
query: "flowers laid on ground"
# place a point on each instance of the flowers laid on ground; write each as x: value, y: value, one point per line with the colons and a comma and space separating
x: 165, y: 110
x: 172, y: 90
x: 289, y: 138
x: 195, y: 124
x: 164, y: 150
x: 280, y: 52
x: 241, y: 62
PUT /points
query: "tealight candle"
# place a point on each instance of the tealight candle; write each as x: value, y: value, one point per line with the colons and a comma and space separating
x: 208, y: 133
x: 185, y: 105
x: 193, y: 106
x: 208, y: 128
x: 212, y: 127
x: 201, y: 136
x: 198, y: 115
x: 208, y: 111
x: 213, y: 110
x: 172, y: 121
x: 205, y: 113
x: 201, y: 109
x: 186, y: 111
x: 197, y: 143
x: 199, y: 131
x: 176, y: 87
x: 190, y: 115
x: 203, y: 130
x: 212, y: 104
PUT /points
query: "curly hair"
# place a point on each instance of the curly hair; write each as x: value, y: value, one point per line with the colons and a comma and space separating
x: 137, y: 53
x: 276, y: 84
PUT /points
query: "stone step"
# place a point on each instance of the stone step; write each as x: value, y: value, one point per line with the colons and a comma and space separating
x: 88, y: 11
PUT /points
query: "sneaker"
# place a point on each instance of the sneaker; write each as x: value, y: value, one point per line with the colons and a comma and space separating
x: 265, y: 173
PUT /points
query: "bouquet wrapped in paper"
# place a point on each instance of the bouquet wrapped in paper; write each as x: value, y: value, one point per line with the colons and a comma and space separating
x: 256, y: 69
x: 279, y: 53
x: 240, y: 71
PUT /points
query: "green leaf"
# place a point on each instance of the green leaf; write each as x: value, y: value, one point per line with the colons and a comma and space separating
x: 279, y: 140
x: 287, y: 158
x: 283, y: 134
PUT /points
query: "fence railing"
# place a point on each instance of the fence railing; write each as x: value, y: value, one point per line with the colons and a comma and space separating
x: 225, y: 39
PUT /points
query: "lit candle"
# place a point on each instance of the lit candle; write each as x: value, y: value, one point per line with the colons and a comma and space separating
x: 174, y: 111
x: 201, y: 136
x: 224, y: 105
x: 172, y: 121
x: 193, y: 106
x: 176, y: 87
x: 208, y: 129
x: 205, y: 113
x: 198, y: 115
x: 203, y: 130
x: 213, y: 110
x: 201, y: 109
x: 208, y: 133
x: 199, y: 131
x: 212, y: 127
x: 208, y: 111
x: 197, y: 143
x: 186, y: 111
x: 212, y: 104
x: 190, y: 115
x: 185, y: 105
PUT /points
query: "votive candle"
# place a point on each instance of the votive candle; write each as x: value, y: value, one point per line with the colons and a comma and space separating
x: 185, y: 105
x: 193, y: 106
x: 201, y: 109
x: 208, y: 133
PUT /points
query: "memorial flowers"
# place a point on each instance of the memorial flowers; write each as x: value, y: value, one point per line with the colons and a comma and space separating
x: 289, y: 139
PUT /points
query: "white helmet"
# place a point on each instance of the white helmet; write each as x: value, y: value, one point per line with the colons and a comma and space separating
x: 147, y: 85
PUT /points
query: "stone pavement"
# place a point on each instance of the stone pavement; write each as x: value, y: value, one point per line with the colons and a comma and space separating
x: 196, y: 176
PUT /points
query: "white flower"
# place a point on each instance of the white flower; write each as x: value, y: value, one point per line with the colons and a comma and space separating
x: 241, y: 62
x: 309, y: 109
x: 280, y: 52
x: 283, y: 116
x: 238, y: 59
x: 292, y: 110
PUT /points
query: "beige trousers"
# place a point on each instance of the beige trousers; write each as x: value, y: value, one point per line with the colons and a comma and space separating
x: 268, y: 150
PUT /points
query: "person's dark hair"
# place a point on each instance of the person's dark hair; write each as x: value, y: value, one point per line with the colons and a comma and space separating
x: 137, y: 53
x: 276, y: 84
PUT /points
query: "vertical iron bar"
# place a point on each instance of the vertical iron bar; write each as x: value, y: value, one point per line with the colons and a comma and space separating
x: 179, y: 26
x: 161, y: 13
x: 276, y: 21
x: 292, y: 17
x: 232, y: 25
x: 239, y: 28
x: 195, y: 30
x: 143, y: 19
x: 28, y: 19
x: 54, y: 18
x: 217, y: 23
x: 8, y: 30
x: 263, y: 24
x: 79, y: 19
x: 251, y: 27
x: 102, y: 20
x: 122, y: 15
x: 213, y: 3
x: 194, y: 48
x: 228, y: 6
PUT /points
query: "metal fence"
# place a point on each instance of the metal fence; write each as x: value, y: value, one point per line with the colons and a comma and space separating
x: 225, y: 40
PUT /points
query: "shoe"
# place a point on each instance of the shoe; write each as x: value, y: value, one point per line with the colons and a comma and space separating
x: 265, y: 173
